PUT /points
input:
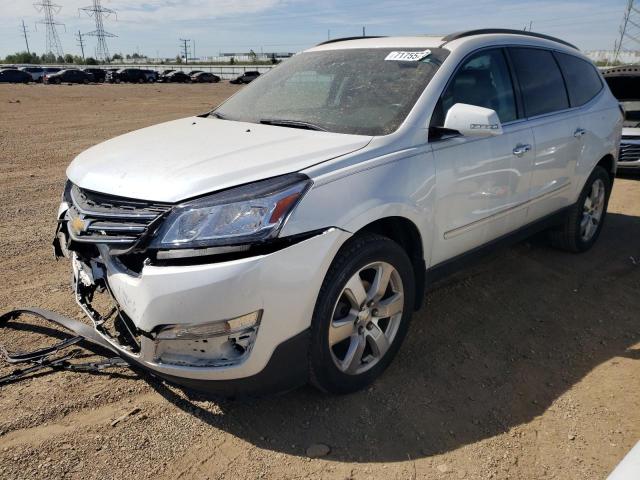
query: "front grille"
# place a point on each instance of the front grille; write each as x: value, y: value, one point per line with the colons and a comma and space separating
x: 629, y: 152
x: 106, y: 219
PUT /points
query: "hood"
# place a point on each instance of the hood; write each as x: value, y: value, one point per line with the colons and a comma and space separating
x: 193, y: 156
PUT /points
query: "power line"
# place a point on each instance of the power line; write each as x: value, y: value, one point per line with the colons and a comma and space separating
x: 49, y: 9
x: 99, y: 13
x: 26, y: 39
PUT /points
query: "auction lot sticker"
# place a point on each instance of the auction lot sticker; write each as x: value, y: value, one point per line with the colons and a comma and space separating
x: 408, y: 56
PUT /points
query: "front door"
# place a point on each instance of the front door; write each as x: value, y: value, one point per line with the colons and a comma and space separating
x: 482, y: 183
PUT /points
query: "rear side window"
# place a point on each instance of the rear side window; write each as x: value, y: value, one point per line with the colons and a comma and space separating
x: 583, y: 82
x: 541, y: 82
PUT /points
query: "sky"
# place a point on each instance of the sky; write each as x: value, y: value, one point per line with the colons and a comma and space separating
x: 154, y: 27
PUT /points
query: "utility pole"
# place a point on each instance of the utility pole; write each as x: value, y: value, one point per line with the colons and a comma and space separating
x: 26, y: 39
x: 184, y: 45
x: 99, y: 13
x: 49, y: 9
x: 328, y: 34
x: 80, y: 43
x: 364, y: 31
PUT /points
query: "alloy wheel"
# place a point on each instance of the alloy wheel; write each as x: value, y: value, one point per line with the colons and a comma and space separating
x: 592, y: 210
x: 366, y: 318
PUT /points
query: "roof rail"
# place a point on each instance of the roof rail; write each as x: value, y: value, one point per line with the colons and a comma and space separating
x: 486, y: 31
x: 334, y: 40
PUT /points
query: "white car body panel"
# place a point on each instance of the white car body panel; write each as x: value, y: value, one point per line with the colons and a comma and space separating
x: 478, y: 181
x: 193, y: 156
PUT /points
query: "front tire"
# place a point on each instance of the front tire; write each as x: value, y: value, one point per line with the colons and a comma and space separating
x: 362, y: 314
x: 583, y: 224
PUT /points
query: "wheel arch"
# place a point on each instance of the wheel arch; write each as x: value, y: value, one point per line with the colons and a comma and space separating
x: 609, y: 164
x: 406, y: 234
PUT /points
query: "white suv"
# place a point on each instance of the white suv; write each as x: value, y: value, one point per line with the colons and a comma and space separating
x: 288, y: 235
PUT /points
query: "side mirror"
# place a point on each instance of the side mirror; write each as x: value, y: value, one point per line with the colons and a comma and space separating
x: 473, y: 121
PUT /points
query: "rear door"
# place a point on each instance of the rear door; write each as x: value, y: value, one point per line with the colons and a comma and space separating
x: 482, y: 183
x: 584, y: 85
x: 546, y: 106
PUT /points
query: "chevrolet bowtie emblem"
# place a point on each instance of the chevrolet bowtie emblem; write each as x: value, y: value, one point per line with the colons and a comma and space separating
x: 78, y: 225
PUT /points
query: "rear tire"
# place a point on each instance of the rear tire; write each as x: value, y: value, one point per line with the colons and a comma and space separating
x: 361, y: 315
x: 583, y: 223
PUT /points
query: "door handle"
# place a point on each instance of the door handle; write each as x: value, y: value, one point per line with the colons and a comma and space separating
x: 579, y: 132
x: 520, y: 150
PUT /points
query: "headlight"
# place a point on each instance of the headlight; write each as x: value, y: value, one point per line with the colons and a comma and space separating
x: 250, y: 213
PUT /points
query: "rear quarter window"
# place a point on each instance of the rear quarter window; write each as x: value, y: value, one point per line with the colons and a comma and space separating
x: 541, y: 83
x: 583, y: 81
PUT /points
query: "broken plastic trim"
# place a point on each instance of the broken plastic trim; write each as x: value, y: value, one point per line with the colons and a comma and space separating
x: 48, y: 357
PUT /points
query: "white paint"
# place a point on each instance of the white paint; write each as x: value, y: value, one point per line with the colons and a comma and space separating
x: 185, y: 158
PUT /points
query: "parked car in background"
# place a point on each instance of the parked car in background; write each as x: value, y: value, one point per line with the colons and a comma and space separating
x: 251, y: 260
x: 624, y: 83
x: 70, y: 75
x: 48, y: 70
x: 193, y: 72
x: 13, y: 75
x: 166, y: 72
x: 246, y: 77
x: 99, y: 74
x: 37, y: 73
x: 175, y: 77
x: 127, y: 75
x: 205, y: 77
x: 150, y: 75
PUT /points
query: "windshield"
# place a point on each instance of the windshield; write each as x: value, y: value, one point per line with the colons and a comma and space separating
x: 354, y: 91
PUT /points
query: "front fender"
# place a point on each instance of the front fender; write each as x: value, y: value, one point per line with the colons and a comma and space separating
x: 404, y: 187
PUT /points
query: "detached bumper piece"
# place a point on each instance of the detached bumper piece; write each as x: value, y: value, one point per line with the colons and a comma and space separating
x: 59, y: 355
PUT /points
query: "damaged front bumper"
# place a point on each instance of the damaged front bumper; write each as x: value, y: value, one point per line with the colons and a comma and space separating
x: 230, y: 327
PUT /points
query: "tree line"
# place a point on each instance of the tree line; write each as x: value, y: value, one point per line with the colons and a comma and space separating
x: 34, y: 58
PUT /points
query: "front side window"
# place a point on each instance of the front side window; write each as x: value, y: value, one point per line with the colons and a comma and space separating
x: 541, y: 82
x: 484, y: 81
x: 583, y: 81
x: 354, y: 91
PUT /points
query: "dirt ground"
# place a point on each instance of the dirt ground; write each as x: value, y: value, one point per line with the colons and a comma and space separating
x: 525, y: 366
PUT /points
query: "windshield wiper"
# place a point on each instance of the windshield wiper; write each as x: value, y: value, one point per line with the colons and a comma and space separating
x: 292, y: 124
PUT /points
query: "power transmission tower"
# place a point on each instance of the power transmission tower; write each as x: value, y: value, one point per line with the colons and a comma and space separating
x: 80, y: 43
x: 629, y: 30
x: 99, y: 13
x: 26, y: 39
x: 184, y: 45
x: 49, y: 9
